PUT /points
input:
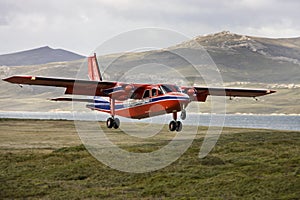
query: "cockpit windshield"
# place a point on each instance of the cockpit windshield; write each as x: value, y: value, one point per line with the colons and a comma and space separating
x: 170, y: 88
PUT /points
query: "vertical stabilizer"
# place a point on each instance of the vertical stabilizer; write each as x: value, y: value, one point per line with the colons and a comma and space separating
x: 94, y: 72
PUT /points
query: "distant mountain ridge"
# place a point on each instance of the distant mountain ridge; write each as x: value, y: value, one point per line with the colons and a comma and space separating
x: 239, y: 58
x: 243, y: 61
x: 38, y: 56
x: 250, y: 59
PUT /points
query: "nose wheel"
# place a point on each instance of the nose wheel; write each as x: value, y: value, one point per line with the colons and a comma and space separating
x: 175, y: 125
x: 183, y: 114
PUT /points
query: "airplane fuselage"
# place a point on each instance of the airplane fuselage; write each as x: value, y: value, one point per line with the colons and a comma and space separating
x: 146, y: 107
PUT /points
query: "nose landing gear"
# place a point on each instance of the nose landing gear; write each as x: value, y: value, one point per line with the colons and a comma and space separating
x: 183, y: 115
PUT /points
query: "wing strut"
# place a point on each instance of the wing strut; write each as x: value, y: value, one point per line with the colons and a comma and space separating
x: 112, y: 107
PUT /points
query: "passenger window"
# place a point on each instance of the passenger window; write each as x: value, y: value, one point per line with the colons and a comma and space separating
x: 154, y: 92
x: 146, y: 94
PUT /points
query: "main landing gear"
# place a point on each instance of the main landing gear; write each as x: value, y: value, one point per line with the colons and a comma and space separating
x: 175, y: 125
x: 112, y: 122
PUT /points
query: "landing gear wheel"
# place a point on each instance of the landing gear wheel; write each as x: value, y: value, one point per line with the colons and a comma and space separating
x: 116, y: 123
x: 183, y: 115
x: 178, y: 126
x: 110, y: 122
x: 172, y: 126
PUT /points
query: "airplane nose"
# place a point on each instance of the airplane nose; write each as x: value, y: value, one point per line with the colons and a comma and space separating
x: 186, y: 95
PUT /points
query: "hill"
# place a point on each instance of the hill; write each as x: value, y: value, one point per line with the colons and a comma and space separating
x: 243, y: 61
x: 239, y: 58
x: 247, y: 58
x: 38, y: 56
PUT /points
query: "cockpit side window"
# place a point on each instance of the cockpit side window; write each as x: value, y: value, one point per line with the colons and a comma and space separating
x: 159, y: 91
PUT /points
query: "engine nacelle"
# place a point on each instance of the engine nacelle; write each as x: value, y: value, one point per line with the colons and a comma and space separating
x: 128, y: 88
x: 123, y: 94
x: 191, y: 92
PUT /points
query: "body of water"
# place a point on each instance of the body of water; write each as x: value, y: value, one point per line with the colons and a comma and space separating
x: 277, y: 122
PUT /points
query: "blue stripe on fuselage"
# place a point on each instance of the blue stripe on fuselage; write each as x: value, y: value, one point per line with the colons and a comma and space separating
x: 104, y: 105
x: 100, y: 100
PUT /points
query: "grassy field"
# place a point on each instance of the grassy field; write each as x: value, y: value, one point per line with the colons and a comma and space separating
x: 45, y: 159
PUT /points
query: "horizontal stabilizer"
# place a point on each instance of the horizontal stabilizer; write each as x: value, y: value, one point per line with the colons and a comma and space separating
x: 73, y: 86
x: 73, y: 99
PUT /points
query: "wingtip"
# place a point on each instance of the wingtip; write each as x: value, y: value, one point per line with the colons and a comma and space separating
x: 17, y: 79
x: 6, y: 79
x: 271, y: 91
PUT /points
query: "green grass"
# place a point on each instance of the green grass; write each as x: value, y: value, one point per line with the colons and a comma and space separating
x: 245, y: 164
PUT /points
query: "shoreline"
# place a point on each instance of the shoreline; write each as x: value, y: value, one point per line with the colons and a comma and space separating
x: 253, y: 121
x: 126, y: 122
x: 23, y: 114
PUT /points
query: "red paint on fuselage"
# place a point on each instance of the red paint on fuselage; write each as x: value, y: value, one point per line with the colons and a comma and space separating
x: 151, y: 109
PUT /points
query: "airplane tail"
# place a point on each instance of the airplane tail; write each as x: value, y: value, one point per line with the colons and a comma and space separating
x: 93, y: 68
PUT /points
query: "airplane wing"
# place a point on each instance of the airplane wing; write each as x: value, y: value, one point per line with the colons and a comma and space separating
x: 122, y: 90
x: 201, y: 93
x: 77, y: 87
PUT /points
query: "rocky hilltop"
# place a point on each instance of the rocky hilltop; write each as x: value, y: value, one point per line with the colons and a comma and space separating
x: 252, y: 59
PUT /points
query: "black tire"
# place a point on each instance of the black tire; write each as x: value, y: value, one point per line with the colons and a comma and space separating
x: 178, y: 126
x: 110, y: 122
x: 116, y: 123
x: 172, y: 126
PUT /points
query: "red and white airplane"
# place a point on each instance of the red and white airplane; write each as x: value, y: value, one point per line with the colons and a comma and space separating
x: 132, y: 100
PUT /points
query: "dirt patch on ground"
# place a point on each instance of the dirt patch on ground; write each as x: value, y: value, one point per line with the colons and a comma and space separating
x: 37, y: 134
x: 46, y: 135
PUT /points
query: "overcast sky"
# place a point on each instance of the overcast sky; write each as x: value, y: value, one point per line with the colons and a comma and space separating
x: 81, y: 25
